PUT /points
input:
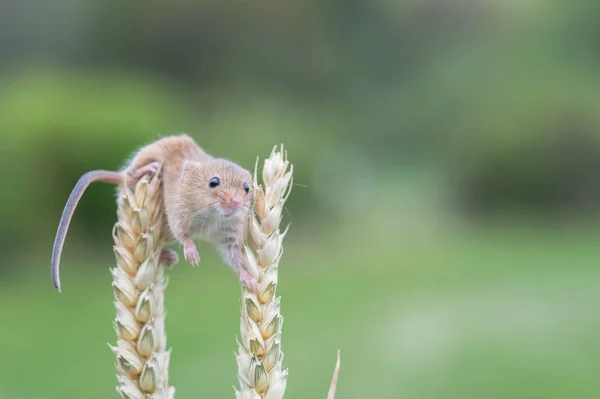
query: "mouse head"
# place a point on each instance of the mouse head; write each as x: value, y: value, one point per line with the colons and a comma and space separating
x: 218, y: 187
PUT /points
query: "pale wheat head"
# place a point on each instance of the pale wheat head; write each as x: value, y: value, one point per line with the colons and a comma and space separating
x: 259, y: 356
x: 138, y: 281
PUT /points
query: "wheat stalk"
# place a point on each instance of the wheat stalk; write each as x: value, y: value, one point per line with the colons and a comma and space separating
x: 142, y: 358
x: 259, y: 356
x: 334, y: 380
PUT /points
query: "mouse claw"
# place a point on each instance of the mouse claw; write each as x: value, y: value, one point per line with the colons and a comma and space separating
x: 191, y: 254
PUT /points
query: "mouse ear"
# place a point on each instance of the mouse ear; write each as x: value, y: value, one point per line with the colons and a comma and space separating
x: 191, y: 170
x: 187, y: 169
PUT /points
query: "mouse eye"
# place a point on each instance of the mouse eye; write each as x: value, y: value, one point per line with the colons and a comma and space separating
x: 214, y: 182
x: 246, y: 188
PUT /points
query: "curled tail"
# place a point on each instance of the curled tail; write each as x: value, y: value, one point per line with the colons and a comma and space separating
x: 85, y: 180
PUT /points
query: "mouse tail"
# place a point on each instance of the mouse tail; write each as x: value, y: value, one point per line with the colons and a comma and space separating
x: 63, y: 226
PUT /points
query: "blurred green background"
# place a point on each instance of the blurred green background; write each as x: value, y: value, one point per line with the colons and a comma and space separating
x: 445, y: 222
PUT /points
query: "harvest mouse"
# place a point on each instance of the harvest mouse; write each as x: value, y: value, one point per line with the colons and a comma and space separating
x: 204, y: 198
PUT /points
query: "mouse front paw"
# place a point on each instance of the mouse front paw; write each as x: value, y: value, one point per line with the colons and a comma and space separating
x: 247, y: 280
x: 191, y: 254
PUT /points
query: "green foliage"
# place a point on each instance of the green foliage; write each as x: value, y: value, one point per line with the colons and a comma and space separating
x: 61, y: 125
x: 531, y: 146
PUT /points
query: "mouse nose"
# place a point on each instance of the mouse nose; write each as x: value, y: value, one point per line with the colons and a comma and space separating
x: 235, y: 201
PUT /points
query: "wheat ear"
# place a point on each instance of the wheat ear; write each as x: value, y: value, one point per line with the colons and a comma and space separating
x: 138, y: 281
x: 259, y: 356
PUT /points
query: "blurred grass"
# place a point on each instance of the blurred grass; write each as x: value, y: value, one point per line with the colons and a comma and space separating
x: 434, y: 323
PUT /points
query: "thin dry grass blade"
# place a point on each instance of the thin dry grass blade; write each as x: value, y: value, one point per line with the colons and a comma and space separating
x: 334, y: 380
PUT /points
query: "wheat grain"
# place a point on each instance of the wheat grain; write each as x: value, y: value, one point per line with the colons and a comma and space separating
x: 138, y: 281
x: 259, y: 357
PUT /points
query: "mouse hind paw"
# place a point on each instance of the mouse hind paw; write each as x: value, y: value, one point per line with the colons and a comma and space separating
x: 150, y: 169
x: 168, y: 257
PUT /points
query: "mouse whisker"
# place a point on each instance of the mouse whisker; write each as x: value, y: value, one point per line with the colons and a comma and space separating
x: 285, y: 208
x: 198, y: 211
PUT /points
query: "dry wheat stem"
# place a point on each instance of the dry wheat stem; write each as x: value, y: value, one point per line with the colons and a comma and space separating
x: 334, y: 380
x: 259, y: 357
x: 138, y: 281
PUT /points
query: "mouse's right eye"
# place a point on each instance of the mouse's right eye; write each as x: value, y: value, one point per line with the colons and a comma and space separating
x: 214, y: 182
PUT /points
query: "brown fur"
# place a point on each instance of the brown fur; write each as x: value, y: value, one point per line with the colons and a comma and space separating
x: 193, y: 210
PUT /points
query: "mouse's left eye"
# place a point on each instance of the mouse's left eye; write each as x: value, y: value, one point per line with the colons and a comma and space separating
x: 246, y: 188
x: 214, y: 182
